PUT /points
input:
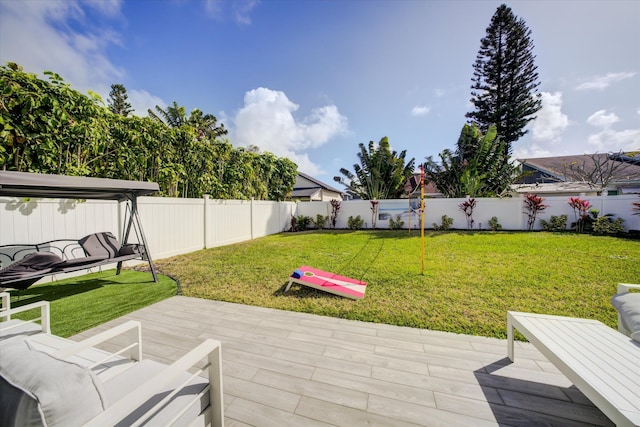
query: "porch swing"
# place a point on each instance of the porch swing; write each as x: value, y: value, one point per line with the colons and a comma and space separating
x: 24, y: 264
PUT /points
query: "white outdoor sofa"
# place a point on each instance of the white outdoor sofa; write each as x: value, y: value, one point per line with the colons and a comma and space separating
x: 51, y: 381
x: 601, y: 362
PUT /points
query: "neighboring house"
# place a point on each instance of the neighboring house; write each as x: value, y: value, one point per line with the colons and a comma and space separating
x: 308, y: 188
x: 412, y: 186
x: 588, y: 174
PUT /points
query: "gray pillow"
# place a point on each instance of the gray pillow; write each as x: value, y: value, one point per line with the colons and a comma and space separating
x: 628, y: 305
x: 38, y: 389
x: 100, y: 244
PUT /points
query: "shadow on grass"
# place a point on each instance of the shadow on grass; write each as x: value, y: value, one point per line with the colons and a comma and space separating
x: 69, y: 287
x: 299, y: 291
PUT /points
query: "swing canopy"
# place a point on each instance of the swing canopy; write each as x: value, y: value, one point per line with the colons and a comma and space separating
x: 24, y: 184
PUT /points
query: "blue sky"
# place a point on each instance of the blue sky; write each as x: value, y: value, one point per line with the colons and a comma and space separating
x: 312, y: 79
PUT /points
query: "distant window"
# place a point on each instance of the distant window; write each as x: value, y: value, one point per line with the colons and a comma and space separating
x: 612, y: 192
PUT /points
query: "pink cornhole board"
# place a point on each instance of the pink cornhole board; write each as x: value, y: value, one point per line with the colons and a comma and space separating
x: 328, y: 282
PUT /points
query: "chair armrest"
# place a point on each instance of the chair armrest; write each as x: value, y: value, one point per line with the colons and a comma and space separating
x: 5, y: 300
x: 209, y: 349
x: 624, y: 288
x: 44, y: 318
x: 131, y: 328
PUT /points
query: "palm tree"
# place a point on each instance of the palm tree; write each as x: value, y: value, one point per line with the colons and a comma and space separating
x: 381, y: 173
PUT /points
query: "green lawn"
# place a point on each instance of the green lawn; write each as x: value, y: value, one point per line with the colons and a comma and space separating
x: 81, y: 303
x: 470, y: 279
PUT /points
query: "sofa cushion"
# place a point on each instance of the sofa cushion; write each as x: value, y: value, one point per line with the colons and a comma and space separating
x: 33, y: 263
x: 628, y: 305
x: 102, y: 244
x: 45, y: 391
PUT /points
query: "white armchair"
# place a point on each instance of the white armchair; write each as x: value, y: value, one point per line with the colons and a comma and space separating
x: 49, y: 380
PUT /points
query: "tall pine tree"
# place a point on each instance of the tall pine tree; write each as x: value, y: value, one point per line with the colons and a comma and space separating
x: 118, y: 100
x: 505, y: 80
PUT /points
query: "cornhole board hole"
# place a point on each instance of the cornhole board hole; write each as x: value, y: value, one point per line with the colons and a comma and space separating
x: 328, y: 282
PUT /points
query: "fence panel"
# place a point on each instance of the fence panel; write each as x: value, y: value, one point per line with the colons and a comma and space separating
x: 230, y: 222
x: 510, y: 212
x: 40, y: 220
x: 172, y: 226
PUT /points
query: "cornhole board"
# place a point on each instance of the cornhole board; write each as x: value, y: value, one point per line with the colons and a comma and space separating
x: 327, y: 282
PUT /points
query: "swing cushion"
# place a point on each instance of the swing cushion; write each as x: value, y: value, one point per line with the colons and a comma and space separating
x: 104, y: 245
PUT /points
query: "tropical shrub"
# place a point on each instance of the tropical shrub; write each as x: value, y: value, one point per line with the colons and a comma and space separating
x: 320, y: 221
x: 533, y: 204
x: 467, y: 207
x: 580, y: 212
x: 303, y: 222
x: 396, y: 224
x: 355, y: 223
x: 335, y: 207
x: 446, y: 224
x: 606, y: 224
x: 494, y: 225
x: 556, y: 223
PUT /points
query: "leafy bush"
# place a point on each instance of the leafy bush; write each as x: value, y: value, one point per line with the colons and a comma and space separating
x: 303, y: 222
x: 397, y: 224
x: 606, y: 224
x: 556, y: 223
x: 446, y: 223
x: 494, y: 225
x: 355, y: 223
x: 320, y: 221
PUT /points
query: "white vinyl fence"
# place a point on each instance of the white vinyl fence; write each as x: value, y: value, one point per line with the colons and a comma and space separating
x: 510, y: 212
x: 175, y: 226
x: 172, y: 226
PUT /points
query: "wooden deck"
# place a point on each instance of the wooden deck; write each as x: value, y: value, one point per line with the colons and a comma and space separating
x: 293, y: 369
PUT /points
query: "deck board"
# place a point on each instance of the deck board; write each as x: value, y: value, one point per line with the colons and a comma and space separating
x: 294, y: 369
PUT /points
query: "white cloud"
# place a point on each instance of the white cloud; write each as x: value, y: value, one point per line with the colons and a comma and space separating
x: 240, y: 9
x: 420, y: 110
x: 106, y: 7
x: 609, y: 139
x: 141, y: 101
x: 603, y: 82
x: 531, y: 151
x: 37, y: 35
x: 551, y: 121
x: 266, y: 120
x: 601, y: 119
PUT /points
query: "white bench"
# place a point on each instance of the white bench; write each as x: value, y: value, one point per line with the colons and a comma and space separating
x: 601, y: 362
x: 136, y: 391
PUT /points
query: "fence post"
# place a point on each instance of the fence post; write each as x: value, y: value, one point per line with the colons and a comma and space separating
x: 207, y: 221
x: 251, y: 217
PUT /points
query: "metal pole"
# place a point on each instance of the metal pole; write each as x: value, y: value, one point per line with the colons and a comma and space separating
x: 422, y: 213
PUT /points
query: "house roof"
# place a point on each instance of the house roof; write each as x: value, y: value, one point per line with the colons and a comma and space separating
x: 319, y: 184
x: 304, y: 192
x: 563, y: 168
x: 24, y: 184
